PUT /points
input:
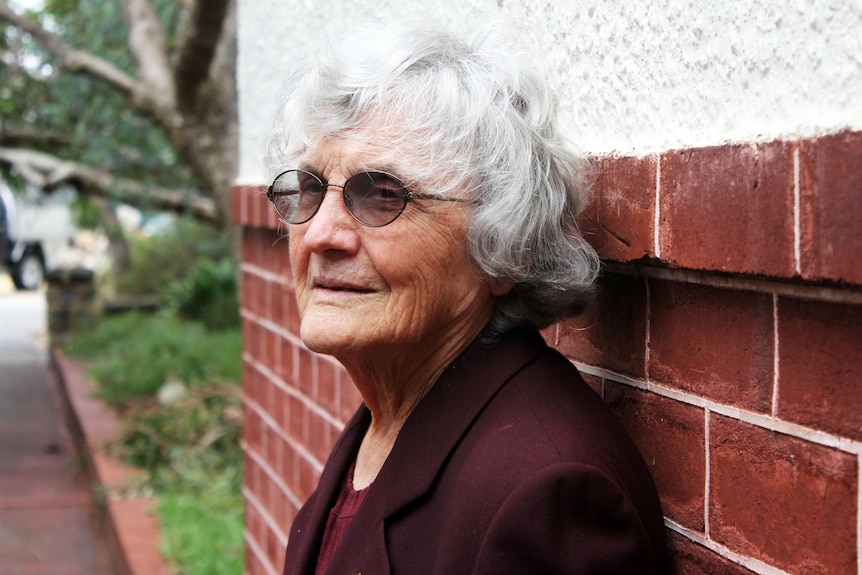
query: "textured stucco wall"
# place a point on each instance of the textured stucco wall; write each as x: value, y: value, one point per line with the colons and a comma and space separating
x: 633, y: 77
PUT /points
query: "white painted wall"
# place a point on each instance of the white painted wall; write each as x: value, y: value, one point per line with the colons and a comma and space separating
x: 634, y: 77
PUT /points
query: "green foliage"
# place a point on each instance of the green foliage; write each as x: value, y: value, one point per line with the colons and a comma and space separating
x: 134, y: 355
x: 190, y: 443
x: 86, y: 213
x: 190, y: 448
x: 208, y: 294
x: 193, y: 526
x: 73, y: 116
x: 166, y: 257
x: 191, y: 452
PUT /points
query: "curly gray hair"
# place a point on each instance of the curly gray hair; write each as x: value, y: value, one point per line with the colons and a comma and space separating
x: 471, y: 107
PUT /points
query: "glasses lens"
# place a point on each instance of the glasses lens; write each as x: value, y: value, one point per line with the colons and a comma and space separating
x: 375, y: 198
x: 297, y: 195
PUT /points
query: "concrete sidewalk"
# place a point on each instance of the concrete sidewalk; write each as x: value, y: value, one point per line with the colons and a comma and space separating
x: 53, y: 466
x: 47, y: 521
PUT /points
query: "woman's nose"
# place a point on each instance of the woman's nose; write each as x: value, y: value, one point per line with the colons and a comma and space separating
x: 332, y: 227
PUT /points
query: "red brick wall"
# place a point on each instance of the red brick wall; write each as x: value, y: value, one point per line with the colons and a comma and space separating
x: 727, y: 337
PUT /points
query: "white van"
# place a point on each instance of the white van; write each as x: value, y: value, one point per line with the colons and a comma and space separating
x: 35, y: 228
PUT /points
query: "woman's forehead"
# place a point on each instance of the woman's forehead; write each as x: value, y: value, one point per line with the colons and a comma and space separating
x: 357, y: 151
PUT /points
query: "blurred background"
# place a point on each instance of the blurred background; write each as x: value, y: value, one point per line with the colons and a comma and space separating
x: 117, y: 152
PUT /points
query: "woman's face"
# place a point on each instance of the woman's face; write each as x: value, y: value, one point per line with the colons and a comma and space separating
x: 404, y: 290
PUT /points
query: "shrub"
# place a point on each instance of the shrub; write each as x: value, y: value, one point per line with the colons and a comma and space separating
x: 167, y: 255
x: 208, y: 293
x: 134, y: 355
x: 190, y: 448
x: 191, y: 452
x: 191, y: 443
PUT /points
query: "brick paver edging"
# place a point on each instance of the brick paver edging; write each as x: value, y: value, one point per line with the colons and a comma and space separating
x: 129, y: 523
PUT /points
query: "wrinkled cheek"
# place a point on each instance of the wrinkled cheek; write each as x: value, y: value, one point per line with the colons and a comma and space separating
x: 410, y: 312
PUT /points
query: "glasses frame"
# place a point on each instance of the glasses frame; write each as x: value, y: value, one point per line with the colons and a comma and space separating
x: 409, y: 196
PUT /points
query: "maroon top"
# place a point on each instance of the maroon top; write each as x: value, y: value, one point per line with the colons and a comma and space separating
x: 339, y: 519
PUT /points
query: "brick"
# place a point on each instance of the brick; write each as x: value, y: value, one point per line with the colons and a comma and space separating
x: 287, y: 360
x: 251, y: 291
x: 306, y: 378
x: 293, y: 321
x: 267, y: 341
x: 278, y: 256
x: 256, y: 210
x: 620, y: 219
x: 247, y: 245
x: 274, y: 446
x: 240, y: 209
x: 782, y: 500
x: 251, y: 246
x: 251, y: 429
x: 611, y: 333
x: 247, y: 299
x: 273, y: 546
x: 820, y: 366
x: 689, y: 558
x: 284, y: 511
x: 276, y: 310
x: 713, y: 342
x: 278, y: 410
x: 253, y: 566
x: 266, y: 395
x: 830, y: 189
x: 308, y: 478
x: 289, y: 470
x: 321, y: 442
x: 260, y: 294
x: 291, y: 512
x: 671, y: 437
x: 253, y: 522
x: 729, y: 208
x: 251, y: 474
x: 334, y: 434
x: 249, y: 337
x: 236, y: 204
x: 318, y: 437
x: 296, y: 427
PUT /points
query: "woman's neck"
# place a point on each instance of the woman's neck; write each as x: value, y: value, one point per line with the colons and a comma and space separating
x: 391, y: 389
x: 390, y: 404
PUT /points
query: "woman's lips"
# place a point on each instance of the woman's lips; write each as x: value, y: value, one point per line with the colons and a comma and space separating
x: 339, y: 286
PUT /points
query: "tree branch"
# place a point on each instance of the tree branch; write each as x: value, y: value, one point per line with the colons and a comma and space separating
x: 197, y: 42
x: 25, y: 137
x: 148, y: 48
x: 70, y: 58
x: 45, y: 170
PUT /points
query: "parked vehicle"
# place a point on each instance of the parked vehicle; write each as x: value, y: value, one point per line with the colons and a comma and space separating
x: 35, y: 227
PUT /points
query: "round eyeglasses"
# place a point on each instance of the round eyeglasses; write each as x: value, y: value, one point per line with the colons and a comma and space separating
x: 374, y: 199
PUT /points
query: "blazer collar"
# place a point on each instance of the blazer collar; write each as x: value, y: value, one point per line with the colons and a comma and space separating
x: 429, y: 435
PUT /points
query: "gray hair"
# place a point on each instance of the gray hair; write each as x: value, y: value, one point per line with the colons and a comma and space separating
x: 473, y: 114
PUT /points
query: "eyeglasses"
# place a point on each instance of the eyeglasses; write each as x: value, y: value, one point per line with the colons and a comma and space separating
x: 374, y: 199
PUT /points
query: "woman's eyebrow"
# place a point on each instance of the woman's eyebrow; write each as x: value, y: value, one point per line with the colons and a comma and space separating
x: 308, y: 167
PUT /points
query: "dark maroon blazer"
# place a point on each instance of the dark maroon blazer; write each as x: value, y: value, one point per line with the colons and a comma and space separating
x: 510, y: 464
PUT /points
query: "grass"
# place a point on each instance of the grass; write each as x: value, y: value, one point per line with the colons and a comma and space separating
x: 194, y: 525
x: 189, y: 448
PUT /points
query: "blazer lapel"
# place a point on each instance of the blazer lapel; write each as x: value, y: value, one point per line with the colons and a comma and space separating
x: 304, y: 548
x: 429, y: 435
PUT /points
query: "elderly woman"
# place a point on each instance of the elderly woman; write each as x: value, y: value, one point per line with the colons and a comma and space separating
x: 431, y: 204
